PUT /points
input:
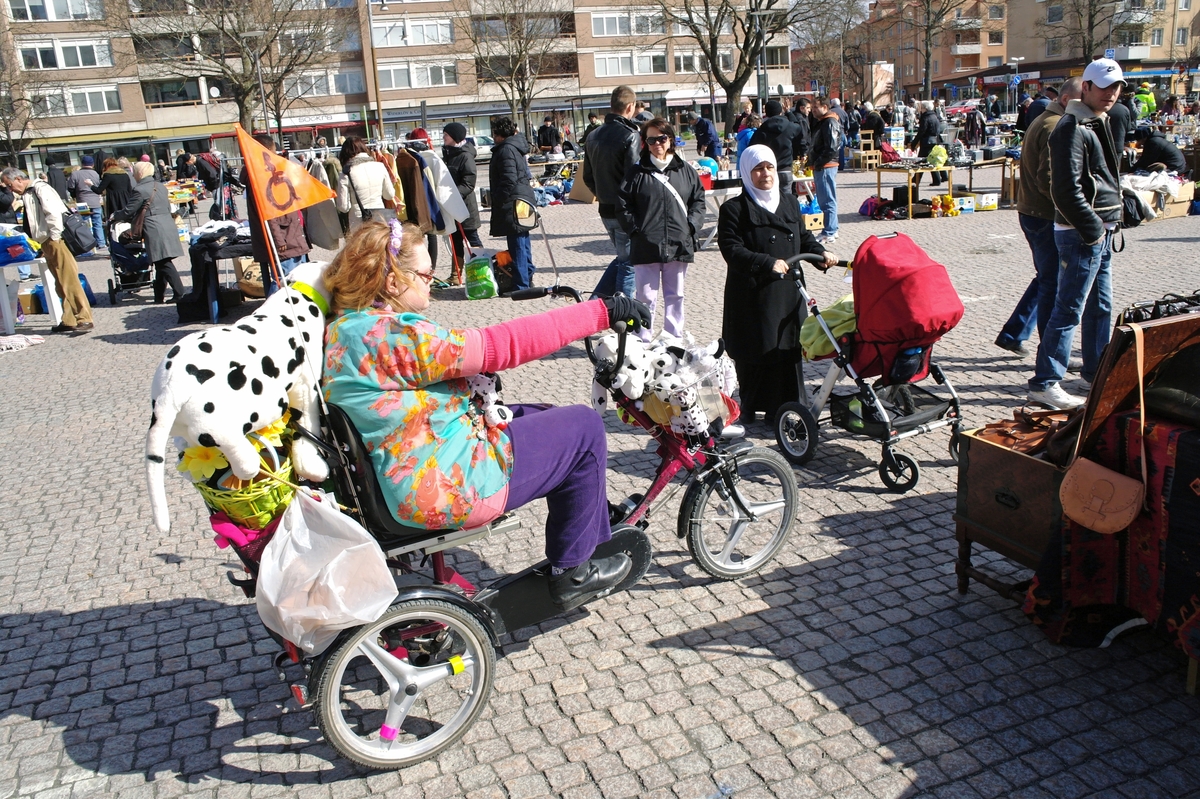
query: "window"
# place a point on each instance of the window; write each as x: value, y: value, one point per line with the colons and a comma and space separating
x: 679, y: 29
x: 936, y: 67
x: 649, y: 23
x: 172, y: 92
x: 1185, y: 5
x: 436, y: 74
x: 1160, y: 5
x: 351, y: 42
x: 350, y: 82
x: 1181, y: 36
x: 688, y: 62
x: 995, y: 61
x: 777, y: 56
x: 995, y: 37
x: 307, y: 86
x: 1054, y: 14
x: 652, y: 64
x: 39, y: 57
x: 611, y: 64
x: 163, y: 48
x: 995, y: 12
x: 418, y: 33
x: 51, y: 105
x: 60, y: 10
x: 97, y: 54
x: 394, y: 77
x: 1053, y: 47
x: 957, y: 64
x: 102, y: 100
x: 1156, y: 37
x: 908, y: 70
x: 610, y: 25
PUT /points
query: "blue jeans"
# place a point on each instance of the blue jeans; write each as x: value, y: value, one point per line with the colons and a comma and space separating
x: 825, y: 184
x: 1084, y: 295
x: 97, y: 218
x: 285, y: 266
x: 522, y: 254
x: 619, y: 274
x: 1038, y: 300
x: 24, y: 272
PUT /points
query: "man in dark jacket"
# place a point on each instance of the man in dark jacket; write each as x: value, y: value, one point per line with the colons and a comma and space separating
x: 929, y: 135
x: 798, y: 116
x: 777, y: 132
x: 826, y: 148
x: 835, y: 106
x: 287, y: 231
x: 873, y: 123
x: 1121, y: 124
x: 1039, y: 104
x: 1157, y: 150
x: 1087, y: 203
x: 508, y: 176
x: 459, y: 156
x: 57, y: 179
x: 593, y: 123
x: 1035, y: 212
x: 611, y: 149
x: 708, y: 141
x: 548, y: 136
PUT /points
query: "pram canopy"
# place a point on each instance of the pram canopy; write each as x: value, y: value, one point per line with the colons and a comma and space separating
x: 903, y: 299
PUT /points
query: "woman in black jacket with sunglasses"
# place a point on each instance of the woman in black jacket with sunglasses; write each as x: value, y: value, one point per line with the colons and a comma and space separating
x: 662, y: 210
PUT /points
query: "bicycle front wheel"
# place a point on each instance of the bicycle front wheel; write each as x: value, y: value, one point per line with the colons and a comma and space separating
x: 740, y: 515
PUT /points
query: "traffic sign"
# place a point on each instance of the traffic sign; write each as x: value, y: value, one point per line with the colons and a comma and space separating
x: 1016, y: 80
x: 954, y: 92
x: 1110, y: 54
x: 812, y: 85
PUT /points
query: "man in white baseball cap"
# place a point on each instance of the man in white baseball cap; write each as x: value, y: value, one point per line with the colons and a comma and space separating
x: 1087, y: 210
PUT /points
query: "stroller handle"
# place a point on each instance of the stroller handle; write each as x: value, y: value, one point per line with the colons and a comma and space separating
x: 811, y: 258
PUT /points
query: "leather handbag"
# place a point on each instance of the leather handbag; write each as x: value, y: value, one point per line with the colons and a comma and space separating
x: 1028, y: 432
x: 77, y: 234
x: 137, y: 226
x: 1098, y: 498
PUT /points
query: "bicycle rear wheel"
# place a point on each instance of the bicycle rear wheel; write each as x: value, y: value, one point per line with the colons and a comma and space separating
x: 729, y: 539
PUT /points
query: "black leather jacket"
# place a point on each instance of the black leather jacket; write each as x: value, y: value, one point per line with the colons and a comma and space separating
x: 1083, y: 173
x: 611, y: 149
x: 826, y: 142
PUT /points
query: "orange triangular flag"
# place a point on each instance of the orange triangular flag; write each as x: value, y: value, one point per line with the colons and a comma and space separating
x: 279, y: 185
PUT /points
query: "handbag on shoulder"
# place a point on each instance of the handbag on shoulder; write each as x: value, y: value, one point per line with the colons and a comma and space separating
x: 1099, y: 498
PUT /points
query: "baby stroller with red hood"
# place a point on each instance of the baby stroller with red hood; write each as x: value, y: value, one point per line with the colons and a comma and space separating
x: 904, y: 303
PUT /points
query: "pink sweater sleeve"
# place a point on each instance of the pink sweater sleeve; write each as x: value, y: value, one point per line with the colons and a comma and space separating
x: 509, y: 344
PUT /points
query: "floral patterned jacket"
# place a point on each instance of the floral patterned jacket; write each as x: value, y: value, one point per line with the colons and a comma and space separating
x: 398, y: 376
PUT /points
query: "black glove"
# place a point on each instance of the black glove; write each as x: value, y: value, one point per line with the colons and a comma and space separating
x: 627, y: 310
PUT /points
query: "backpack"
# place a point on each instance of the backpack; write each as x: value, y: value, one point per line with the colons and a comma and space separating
x: 1131, y: 213
x: 888, y: 154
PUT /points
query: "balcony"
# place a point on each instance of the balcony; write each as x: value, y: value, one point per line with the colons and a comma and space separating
x: 1134, y: 18
x: 1133, y: 52
x: 966, y: 24
x: 965, y: 49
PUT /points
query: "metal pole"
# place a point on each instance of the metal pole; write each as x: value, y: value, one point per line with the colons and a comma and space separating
x: 374, y: 74
x: 262, y: 94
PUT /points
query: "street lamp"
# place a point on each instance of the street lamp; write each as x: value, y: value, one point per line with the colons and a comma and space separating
x: 1016, y: 65
x: 375, y: 65
x: 760, y: 69
x: 262, y: 92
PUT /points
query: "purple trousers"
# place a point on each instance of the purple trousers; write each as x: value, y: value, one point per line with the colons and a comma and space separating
x: 561, y: 453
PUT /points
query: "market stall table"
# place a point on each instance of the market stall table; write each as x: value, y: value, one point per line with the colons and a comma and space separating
x: 1003, y: 163
x: 8, y: 316
x: 909, y: 171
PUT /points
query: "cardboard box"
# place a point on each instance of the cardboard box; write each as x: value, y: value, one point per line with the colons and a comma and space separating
x: 249, y: 277
x: 580, y: 193
x: 965, y: 203
x: 987, y: 202
x: 29, y: 303
x: 813, y: 221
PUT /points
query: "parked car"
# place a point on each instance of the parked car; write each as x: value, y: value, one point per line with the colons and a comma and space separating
x: 962, y: 107
x: 483, y: 147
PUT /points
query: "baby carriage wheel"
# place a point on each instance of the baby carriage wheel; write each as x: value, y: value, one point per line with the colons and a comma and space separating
x: 725, y: 541
x: 112, y: 293
x: 407, y: 686
x: 796, y: 432
x: 955, y: 442
x: 898, y: 472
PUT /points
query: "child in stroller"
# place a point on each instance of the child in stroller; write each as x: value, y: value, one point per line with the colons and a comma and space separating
x: 131, y: 267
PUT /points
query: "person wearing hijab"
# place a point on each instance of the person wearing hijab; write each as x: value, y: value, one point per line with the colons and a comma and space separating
x: 758, y: 230
x: 662, y: 209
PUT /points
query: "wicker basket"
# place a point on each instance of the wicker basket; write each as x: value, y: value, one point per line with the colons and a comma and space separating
x: 255, y: 505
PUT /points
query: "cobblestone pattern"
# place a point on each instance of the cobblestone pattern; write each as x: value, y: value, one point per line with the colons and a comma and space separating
x: 850, y: 667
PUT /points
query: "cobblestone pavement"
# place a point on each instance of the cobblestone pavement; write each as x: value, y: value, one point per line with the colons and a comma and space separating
x: 850, y: 667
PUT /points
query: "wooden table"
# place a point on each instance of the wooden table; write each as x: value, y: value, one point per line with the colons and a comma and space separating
x: 1000, y: 162
x: 909, y: 172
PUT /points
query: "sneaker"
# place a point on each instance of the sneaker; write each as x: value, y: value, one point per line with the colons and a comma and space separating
x: 826, y: 238
x: 589, y: 580
x: 1012, y: 346
x: 85, y: 327
x: 63, y: 329
x: 1053, y: 396
x: 1075, y: 364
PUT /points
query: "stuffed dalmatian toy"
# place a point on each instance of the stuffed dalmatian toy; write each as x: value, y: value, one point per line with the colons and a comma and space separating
x: 485, y: 392
x: 214, y: 387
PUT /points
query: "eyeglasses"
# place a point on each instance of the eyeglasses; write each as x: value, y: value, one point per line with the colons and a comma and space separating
x: 658, y: 139
x: 426, y: 276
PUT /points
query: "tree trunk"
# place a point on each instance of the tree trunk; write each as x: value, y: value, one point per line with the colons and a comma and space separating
x: 732, y: 95
x: 246, y: 115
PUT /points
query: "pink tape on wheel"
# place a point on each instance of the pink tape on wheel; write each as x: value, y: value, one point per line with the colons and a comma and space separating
x: 387, y: 733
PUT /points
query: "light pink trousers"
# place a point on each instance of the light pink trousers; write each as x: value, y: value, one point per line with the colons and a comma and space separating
x: 648, y: 277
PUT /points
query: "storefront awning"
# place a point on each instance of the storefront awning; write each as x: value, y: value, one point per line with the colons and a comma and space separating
x: 172, y: 134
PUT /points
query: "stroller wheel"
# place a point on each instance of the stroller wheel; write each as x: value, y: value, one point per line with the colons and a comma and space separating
x: 112, y: 293
x: 955, y: 443
x: 901, y: 474
x: 796, y: 432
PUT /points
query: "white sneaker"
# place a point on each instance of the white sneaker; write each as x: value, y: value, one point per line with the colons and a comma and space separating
x: 1054, y: 397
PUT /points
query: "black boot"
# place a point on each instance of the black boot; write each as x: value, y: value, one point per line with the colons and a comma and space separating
x: 589, y: 580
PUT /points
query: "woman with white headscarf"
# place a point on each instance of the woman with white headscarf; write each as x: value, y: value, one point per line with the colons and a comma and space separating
x: 757, y: 232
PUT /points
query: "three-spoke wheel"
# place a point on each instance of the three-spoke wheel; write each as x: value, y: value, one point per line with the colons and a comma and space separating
x: 737, y: 518
x: 796, y: 432
x: 402, y: 689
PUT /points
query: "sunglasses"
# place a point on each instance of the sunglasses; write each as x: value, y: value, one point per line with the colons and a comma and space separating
x: 426, y: 276
x: 657, y: 139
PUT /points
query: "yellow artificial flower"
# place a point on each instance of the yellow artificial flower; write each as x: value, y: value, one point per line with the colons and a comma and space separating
x: 273, y: 432
x: 201, y: 462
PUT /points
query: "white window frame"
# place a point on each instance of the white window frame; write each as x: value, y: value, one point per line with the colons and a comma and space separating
x: 417, y: 75
x: 787, y: 52
x: 1054, y: 46
x: 346, y: 77
x: 957, y: 64
x: 697, y: 60
x: 101, y: 52
x: 56, y: 103
x: 1061, y: 14
x: 995, y: 33
x: 648, y: 23
x: 616, y: 21
x: 1156, y: 37
x: 401, y: 34
x: 995, y: 61
x: 995, y: 12
x: 104, y: 94
x: 308, y: 84
x: 1185, y: 5
x: 56, y: 10
x: 643, y: 59
x: 621, y: 59
x: 39, y: 50
x: 1181, y: 36
x: 393, y: 70
x: 679, y: 29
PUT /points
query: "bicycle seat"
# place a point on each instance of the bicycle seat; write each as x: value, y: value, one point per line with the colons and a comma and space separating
x: 376, y: 517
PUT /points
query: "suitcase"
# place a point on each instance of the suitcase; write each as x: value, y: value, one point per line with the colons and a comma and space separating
x: 900, y: 195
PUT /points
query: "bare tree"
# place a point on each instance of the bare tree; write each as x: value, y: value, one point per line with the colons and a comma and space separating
x: 525, y: 48
x: 720, y: 25
x: 228, y: 41
x: 1085, y: 27
x: 930, y: 20
x: 27, y: 103
x: 827, y: 52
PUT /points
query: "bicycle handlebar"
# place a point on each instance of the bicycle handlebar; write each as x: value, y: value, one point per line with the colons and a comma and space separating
x: 545, y: 291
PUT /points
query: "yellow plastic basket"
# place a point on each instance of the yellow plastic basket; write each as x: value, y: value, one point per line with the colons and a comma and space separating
x: 257, y: 504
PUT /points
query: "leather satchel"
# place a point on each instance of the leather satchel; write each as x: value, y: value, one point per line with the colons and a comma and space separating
x: 1028, y: 432
x: 1098, y: 498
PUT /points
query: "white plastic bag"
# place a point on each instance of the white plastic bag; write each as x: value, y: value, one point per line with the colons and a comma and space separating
x: 320, y: 574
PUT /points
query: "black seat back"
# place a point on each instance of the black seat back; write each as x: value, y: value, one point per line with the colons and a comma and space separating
x: 361, y: 476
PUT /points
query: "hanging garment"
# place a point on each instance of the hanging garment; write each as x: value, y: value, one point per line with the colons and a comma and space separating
x: 324, y: 226
x: 445, y: 195
x: 408, y: 172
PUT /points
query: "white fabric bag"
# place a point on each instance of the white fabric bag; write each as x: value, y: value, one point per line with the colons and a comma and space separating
x: 321, y: 573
